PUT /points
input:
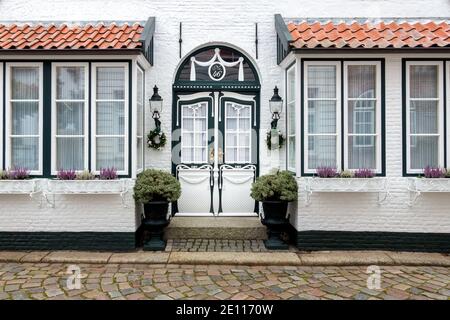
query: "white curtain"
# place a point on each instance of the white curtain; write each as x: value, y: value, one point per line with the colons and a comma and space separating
x: 110, y: 118
x: 361, y: 108
x: 237, y: 139
x: 194, y: 130
x: 424, y: 116
x: 25, y: 117
x: 321, y: 101
x: 70, y: 111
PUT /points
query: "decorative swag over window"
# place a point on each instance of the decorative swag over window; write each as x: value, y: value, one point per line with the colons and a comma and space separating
x: 342, y: 115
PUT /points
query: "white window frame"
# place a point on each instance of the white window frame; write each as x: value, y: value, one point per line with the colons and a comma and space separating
x: 140, y: 122
x: 1, y: 115
x: 94, y: 100
x: 447, y: 77
x: 377, y: 98
x: 85, y: 136
x: 293, y: 68
x: 193, y: 132
x: 238, y: 131
x: 8, y: 100
x: 338, y: 99
x: 440, y: 100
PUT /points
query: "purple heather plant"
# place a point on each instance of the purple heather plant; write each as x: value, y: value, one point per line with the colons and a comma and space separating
x: 364, y: 173
x: 430, y: 172
x: 326, y: 172
x: 66, y: 174
x: 18, y: 173
x: 108, y: 173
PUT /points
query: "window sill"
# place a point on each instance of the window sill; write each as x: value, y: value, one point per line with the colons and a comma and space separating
x: 28, y: 186
x: 417, y: 186
x: 369, y: 185
x: 118, y: 186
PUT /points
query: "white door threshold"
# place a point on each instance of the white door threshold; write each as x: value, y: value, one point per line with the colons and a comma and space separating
x: 223, y: 214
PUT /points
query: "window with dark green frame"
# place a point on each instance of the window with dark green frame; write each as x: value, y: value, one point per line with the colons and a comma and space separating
x: 342, y: 115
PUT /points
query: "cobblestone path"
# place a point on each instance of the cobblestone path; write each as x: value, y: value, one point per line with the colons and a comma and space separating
x: 113, y: 281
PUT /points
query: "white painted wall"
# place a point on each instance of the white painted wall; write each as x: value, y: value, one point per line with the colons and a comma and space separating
x: 232, y: 22
x: 360, y: 211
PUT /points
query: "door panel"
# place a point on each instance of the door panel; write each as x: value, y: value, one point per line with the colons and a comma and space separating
x: 196, y: 184
x: 218, y: 153
x: 235, y: 188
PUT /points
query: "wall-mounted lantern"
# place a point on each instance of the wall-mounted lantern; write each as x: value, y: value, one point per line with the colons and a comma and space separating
x: 276, y: 106
x: 156, y: 106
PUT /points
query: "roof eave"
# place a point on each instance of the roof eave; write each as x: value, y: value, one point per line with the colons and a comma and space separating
x: 371, y: 50
x: 123, y: 51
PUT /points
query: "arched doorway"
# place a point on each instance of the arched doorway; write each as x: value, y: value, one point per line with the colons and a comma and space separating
x: 215, y: 124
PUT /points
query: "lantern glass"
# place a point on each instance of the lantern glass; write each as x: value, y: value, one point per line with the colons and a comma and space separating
x: 276, y: 103
x: 156, y: 102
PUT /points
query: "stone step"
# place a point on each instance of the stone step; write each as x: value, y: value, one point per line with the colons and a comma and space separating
x: 228, y: 228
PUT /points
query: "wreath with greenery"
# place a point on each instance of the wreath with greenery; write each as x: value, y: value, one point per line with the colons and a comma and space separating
x: 156, y: 139
x: 281, y: 140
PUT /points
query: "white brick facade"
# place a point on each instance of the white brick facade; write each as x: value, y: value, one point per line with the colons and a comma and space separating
x: 233, y: 23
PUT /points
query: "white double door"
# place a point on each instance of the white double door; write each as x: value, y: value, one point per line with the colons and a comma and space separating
x: 218, y: 153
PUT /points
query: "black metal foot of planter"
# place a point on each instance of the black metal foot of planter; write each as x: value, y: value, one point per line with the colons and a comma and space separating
x: 274, y: 242
x: 154, y: 243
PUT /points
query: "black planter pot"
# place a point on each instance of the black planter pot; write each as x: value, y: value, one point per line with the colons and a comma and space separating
x: 154, y: 222
x: 276, y: 222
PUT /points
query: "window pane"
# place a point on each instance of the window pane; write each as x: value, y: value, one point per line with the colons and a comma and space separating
x: 25, y: 118
x: 322, y: 117
x: 140, y: 87
x: 25, y: 83
x: 25, y: 153
x: 244, y: 155
x: 69, y: 153
x: 140, y: 151
x: 110, y: 118
x: 188, y: 139
x: 70, y: 119
x: 110, y: 83
x: 244, y: 140
x: 362, y: 152
x: 423, y: 81
x: 110, y: 153
x: 231, y: 140
x: 424, y: 116
x: 199, y: 154
x: 424, y: 152
x: 291, y: 118
x: 361, y: 81
x: 231, y: 124
x: 291, y: 146
x: 70, y: 83
x: 361, y: 116
x: 321, y: 81
x: 291, y: 85
x: 230, y: 155
x: 321, y: 152
x: 187, y: 154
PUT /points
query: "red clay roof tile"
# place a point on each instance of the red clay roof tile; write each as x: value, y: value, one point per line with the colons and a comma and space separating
x: 100, y: 36
x: 367, y: 35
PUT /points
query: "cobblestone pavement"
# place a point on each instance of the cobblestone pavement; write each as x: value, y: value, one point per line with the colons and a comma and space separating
x: 113, y: 281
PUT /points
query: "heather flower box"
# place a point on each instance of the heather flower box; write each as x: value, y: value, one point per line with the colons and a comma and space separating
x: 29, y: 186
x: 343, y: 185
x: 56, y: 186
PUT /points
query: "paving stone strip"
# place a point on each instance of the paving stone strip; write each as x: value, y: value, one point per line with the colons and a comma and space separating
x: 54, y: 281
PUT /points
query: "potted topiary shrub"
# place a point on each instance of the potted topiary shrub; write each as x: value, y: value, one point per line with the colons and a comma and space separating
x: 275, y: 191
x: 155, y: 189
